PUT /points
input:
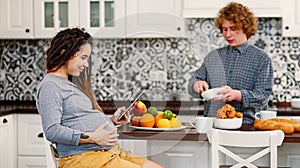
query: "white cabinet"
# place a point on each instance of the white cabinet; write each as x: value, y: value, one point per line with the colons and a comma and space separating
x: 154, y: 18
x: 178, y: 154
x: 31, y: 150
x: 16, y: 17
x: 8, y: 148
x: 103, y: 18
x: 209, y: 9
x: 31, y: 162
x: 138, y: 147
x: 291, y: 18
x: 51, y: 16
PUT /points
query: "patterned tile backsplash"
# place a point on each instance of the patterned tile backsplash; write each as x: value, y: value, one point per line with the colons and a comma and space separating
x: 161, y: 66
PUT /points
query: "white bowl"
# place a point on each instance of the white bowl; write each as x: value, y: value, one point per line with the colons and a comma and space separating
x: 212, y: 93
x: 295, y: 103
x: 230, y: 123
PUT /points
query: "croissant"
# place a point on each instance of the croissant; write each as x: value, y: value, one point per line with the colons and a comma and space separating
x: 274, y: 125
x: 227, y: 111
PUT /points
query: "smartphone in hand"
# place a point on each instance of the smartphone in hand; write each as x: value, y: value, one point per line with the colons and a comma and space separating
x: 136, y: 98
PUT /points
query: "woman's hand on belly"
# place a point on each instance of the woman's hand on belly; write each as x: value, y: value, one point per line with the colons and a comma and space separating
x: 103, y: 137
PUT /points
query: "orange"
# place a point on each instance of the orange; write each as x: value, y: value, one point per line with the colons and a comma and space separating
x: 147, y: 120
x: 164, y: 123
x: 159, y: 116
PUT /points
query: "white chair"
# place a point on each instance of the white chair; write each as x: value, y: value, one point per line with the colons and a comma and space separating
x: 222, y: 139
x: 51, y: 155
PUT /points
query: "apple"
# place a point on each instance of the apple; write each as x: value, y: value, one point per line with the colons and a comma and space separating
x: 139, y: 108
x: 135, y: 121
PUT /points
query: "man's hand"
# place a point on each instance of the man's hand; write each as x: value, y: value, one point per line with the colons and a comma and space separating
x: 230, y: 95
x: 200, y: 86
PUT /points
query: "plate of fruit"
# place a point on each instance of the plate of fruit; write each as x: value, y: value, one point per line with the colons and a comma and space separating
x: 151, y: 119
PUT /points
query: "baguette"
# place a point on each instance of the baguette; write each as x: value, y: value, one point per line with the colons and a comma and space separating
x: 273, y: 125
x: 284, y: 120
x: 295, y: 124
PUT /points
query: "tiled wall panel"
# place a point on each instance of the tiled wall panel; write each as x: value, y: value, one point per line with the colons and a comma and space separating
x: 122, y: 66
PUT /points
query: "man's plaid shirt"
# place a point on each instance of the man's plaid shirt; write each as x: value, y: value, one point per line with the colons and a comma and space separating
x: 245, y: 68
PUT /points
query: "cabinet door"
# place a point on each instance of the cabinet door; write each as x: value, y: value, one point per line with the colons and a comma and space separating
x: 291, y: 18
x: 31, y: 162
x: 8, y: 147
x: 154, y: 18
x: 178, y: 154
x: 103, y: 18
x: 138, y: 147
x: 210, y: 9
x: 30, y: 135
x: 51, y: 16
x: 16, y: 18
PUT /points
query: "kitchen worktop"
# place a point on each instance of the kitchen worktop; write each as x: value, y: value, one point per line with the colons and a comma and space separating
x: 188, y: 134
x: 178, y: 107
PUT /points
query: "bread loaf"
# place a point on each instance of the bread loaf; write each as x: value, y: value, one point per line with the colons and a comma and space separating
x: 295, y: 124
x: 273, y: 125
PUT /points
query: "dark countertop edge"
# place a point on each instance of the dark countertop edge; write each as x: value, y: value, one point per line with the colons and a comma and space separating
x: 109, y: 107
x: 185, y: 135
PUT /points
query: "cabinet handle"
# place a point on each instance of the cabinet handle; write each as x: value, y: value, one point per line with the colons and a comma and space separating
x: 178, y: 28
x: 4, y: 121
x: 83, y: 29
x: 27, y: 30
x: 287, y: 27
x: 40, y: 135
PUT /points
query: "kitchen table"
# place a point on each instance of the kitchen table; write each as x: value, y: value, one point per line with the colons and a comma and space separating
x: 188, y: 134
x: 187, y: 148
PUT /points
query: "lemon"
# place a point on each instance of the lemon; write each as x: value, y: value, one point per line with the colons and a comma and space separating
x: 175, y: 123
x: 163, y: 123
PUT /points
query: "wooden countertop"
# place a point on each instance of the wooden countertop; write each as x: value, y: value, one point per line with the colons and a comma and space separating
x: 109, y: 107
x: 12, y: 107
x: 188, y: 134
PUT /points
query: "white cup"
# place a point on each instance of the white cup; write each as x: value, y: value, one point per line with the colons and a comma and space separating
x: 202, y: 124
x: 265, y: 115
